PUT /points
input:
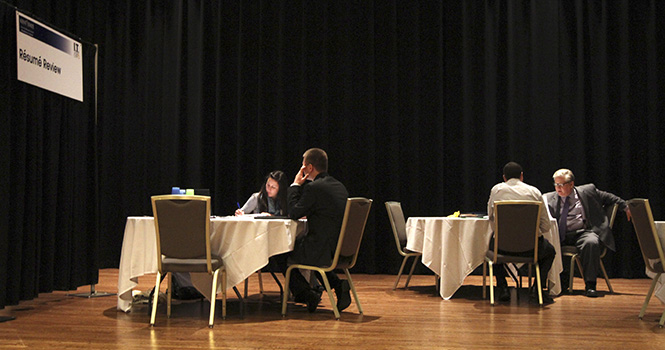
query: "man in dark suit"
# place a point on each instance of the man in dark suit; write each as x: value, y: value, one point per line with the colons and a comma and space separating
x: 582, y: 221
x: 322, y: 200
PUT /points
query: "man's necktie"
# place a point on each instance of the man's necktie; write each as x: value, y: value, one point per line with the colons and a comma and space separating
x: 563, y: 219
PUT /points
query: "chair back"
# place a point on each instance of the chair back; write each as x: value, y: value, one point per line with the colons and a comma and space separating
x: 611, y: 212
x: 398, y: 224
x: 516, y: 226
x: 182, y: 225
x: 351, y: 234
x: 647, y: 235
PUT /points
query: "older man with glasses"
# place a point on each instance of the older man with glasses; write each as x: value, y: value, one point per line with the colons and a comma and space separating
x: 583, y: 223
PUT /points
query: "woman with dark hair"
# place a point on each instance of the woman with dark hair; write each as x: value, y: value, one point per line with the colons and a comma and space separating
x: 271, y: 199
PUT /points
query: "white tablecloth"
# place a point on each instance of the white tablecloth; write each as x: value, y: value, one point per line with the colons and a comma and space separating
x: 244, y: 243
x: 454, y: 247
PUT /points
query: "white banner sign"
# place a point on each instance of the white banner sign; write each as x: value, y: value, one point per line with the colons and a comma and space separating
x: 48, y: 59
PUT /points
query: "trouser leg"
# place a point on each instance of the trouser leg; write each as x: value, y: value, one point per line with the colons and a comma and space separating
x: 546, y: 255
x: 499, y: 270
x: 500, y: 274
x: 298, y: 284
x: 333, y: 279
x: 588, y: 243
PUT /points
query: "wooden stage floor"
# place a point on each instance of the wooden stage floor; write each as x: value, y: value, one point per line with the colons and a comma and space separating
x: 414, y: 318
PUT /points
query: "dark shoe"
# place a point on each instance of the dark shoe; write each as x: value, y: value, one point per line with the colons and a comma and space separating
x: 591, y: 293
x: 302, y: 298
x: 313, y: 300
x: 310, y: 298
x: 343, y: 295
x: 319, y: 289
x: 504, y: 293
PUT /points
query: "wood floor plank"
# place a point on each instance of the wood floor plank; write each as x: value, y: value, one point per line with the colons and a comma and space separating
x: 414, y: 318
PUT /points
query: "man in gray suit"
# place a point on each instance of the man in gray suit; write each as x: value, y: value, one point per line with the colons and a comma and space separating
x: 580, y: 213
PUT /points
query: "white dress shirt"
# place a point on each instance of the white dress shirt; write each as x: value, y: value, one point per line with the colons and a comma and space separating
x: 514, y: 189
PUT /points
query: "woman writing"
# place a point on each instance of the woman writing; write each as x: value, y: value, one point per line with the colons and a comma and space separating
x: 271, y: 199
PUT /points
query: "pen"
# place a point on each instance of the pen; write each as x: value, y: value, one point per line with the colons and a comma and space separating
x: 238, y: 203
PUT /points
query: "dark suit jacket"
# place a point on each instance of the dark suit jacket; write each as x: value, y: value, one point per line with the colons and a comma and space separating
x: 323, y: 202
x: 594, y: 202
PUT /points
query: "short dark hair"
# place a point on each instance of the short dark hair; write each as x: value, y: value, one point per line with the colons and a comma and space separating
x: 318, y: 158
x: 512, y: 170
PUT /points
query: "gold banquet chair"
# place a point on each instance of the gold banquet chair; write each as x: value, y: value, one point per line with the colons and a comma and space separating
x: 182, y: 225
x: 346, y: 253
x: 515, y: 231
x: 398, y: 225
x: 574, y: 253
x: 652, y: 250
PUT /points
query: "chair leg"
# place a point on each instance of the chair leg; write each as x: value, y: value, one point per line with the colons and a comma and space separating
x: 260, y: 282
x: 155, y: 298
x: 330, y: 294
x: 518, y: 282
x: 413, y: 266
x: 213, y: 299
x: 607, y: 279
x: 285, y: 296
x: 539, y: 286
x: 484, y: 279
x: 353, y: 289
x: 572, y: 274
x: 579, y: 265
x: 168, y: 293
x: 512, y: 275
x: 648, y: 297
x: 279, y: 284
x: 224, y: 294
x: 242, y: 302
x: 399, y: 274
x: 491, y: 284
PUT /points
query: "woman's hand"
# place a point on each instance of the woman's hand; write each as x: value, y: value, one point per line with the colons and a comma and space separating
x: 239, y: 212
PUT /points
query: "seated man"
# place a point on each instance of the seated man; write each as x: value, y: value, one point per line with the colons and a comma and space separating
x: 322, y: 201
x: 514, y: 189
x: 582, y: 221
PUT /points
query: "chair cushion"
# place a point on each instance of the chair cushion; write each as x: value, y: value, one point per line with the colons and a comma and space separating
x: 503, y: 258
x: 408, y: 251
x: 569, y: 250
x: 190, y: 265
x: 344, y: 262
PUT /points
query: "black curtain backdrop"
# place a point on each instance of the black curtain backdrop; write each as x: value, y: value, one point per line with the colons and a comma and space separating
x: 49, y: 208
x: 416, y: 101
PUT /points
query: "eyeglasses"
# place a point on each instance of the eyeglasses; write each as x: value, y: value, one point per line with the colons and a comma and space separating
x: 561, y: 185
